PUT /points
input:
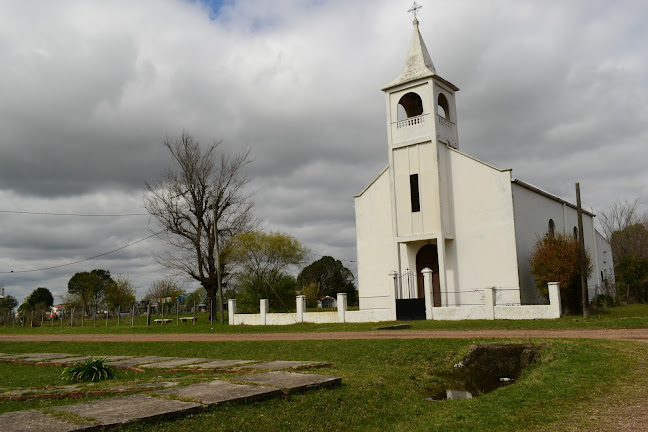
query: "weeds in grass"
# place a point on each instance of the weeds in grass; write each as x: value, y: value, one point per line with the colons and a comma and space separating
x: 92, y: 369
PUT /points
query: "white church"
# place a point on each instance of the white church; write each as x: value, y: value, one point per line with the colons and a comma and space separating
x: 471, y: 224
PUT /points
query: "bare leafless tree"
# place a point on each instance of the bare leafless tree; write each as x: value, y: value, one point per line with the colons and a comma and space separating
x: 163, y: 288
x: 626, y: 228
x: 181, y: 202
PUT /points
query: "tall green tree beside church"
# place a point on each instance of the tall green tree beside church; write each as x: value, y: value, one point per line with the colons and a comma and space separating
x: 331, y: 277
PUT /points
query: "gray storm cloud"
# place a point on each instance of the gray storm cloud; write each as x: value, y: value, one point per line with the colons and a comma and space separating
x: 557, y: 91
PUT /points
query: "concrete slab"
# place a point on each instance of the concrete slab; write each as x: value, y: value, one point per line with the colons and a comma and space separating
x: 118, y: 411
x: 36, y: 421
x: 216, y: 392
x: 36, y: 357
x: 111, y: 358
x: 173, y: 363
x: 68, y: 360
x: 292, y: 381
x: 219, y: 364
x: 281, y: 364
x: 134, y: 361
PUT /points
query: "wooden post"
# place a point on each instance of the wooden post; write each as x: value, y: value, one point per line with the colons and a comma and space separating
x: 148, y: 313
x: 177, y: 311
x: 162, y: 303
x: 194, y: 314
x: 583, y: 261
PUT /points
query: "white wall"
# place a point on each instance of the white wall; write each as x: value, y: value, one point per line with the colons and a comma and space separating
x: 376, y: 246
x: 532, y: 213
x: 483, y: 251
x: 604, y: 267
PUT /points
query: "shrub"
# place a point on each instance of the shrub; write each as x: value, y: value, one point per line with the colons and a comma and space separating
x: 557, y: 259
x: 92, y: 369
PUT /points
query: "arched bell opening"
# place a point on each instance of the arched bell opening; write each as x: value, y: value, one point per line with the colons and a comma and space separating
x: 410, y: 105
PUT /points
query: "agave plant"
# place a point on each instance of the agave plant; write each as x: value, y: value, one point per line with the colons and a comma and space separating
x: 92, y: 369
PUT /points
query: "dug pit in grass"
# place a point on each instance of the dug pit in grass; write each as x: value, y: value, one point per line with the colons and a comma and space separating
x: 485, y: 368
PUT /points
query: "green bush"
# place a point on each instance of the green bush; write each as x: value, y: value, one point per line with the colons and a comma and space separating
x: 92, y: 369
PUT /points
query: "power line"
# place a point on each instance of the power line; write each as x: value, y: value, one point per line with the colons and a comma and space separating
x: 346, y: 260
x: 85, y: 259
x: 73, y: 214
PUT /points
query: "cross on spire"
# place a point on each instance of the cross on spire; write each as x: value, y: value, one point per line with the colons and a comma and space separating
x: 414, y: 9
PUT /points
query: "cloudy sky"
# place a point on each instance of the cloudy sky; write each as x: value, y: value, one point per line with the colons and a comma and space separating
x: 555, y: 90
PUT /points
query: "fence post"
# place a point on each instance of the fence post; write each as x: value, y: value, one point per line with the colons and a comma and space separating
x: 231, y: 310
x: 554, y: 299
x: 394, y: 275
x: 342, y: 307
x: 489, y: 303
x: 427, y: 288
x: 301, y: 305
x: 263, y: 309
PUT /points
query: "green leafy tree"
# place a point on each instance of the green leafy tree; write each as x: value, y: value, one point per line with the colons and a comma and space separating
x: 311, y: 292
x: 632, y: 276
x: 7, y: 305
x: 198, y: 296
x: 279, y: 289
x: 39, y: 300
x: 261, y: 259
x: 120, y: 293
x: 331, y: 276
x: 90, y: 286
x: 557, y: 259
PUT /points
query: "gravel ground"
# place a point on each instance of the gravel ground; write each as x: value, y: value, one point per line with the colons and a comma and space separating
x: 637, y: 335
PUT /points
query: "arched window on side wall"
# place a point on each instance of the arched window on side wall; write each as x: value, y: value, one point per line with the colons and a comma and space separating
x: 443, y: 108
x: 410, y: 105
x: 552, y: 229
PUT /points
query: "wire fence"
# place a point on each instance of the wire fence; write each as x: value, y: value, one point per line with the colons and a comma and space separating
x: 137, y: 314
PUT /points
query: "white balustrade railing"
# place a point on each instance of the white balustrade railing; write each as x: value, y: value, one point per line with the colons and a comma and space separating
x: 412, y: 121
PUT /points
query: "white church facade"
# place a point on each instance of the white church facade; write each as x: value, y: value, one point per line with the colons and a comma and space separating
x: 471, y: 224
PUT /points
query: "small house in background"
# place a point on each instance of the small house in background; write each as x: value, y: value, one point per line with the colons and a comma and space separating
x: 56, y: 310
x: 327, y: 302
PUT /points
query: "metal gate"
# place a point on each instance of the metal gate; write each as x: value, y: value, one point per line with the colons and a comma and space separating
x: 408, y: 307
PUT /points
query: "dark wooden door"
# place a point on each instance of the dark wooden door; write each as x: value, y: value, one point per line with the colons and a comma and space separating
x: 428, y: 257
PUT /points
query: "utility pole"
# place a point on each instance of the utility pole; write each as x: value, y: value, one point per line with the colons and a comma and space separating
x: 583, y: 261
x: 219, y: 280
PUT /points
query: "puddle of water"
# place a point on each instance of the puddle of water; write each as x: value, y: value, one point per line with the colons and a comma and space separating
x: 486, y: 368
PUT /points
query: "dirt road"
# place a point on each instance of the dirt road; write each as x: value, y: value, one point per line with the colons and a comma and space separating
x: 637, y: 335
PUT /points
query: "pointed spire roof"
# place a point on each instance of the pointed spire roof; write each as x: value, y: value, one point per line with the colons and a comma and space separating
x: 418, y: 63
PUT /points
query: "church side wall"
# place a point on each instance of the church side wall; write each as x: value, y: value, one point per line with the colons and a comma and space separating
x: 482, y: 253
x: 532, y: 214
x: 376, y: 248
x: 604, y: 268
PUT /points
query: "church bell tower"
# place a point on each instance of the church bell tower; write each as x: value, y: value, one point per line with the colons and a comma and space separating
x: 421, y: 125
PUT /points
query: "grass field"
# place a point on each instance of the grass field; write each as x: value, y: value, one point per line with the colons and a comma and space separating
x: 632, y: 316
x: 385, y: 384
x: 575, y: 385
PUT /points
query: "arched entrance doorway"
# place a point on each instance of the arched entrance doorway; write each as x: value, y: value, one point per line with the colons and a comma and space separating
x: 428, y: 257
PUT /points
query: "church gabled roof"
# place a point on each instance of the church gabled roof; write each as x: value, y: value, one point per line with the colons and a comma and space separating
x: 418, y: 63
